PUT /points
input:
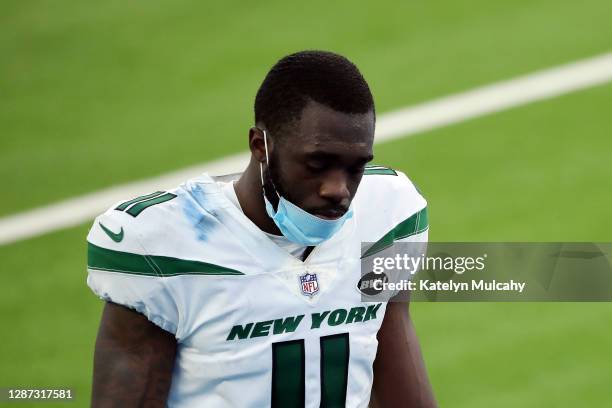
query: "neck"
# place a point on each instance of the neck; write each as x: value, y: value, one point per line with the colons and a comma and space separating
x: 250, y: 196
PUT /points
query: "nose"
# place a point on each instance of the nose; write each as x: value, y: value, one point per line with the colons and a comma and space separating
x: 335, y: 188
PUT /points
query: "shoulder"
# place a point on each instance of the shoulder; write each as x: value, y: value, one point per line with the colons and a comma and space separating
x: 162, y: 233
x: 121, y: 264
x: 385, y: 180
x: 140, y: 249
x: 388, y: 199
x: 147, y: 222
x: 388, y: 193
x: 121, y: 226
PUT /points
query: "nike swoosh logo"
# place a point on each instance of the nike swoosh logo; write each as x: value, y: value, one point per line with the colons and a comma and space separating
x: 118, y: 237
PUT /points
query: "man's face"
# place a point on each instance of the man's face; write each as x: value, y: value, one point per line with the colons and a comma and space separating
x: 320, y: 164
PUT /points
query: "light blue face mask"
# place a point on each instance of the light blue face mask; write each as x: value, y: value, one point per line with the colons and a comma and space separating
x: 296, y: 224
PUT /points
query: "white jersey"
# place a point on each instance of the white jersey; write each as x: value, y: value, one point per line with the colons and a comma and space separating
x: 255, y: 326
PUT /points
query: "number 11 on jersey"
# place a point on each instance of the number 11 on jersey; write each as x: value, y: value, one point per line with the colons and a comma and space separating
x: 288, y: 367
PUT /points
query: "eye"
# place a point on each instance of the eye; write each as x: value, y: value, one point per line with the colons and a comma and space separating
x: 316, y: 166
x: 357, y: 170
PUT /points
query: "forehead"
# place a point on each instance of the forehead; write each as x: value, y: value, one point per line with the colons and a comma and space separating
x: 321, y: 128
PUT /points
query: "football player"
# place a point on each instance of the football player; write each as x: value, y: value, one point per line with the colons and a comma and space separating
x: 242, y: 291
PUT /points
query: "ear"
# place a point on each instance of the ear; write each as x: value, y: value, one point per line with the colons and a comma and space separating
x: 257, y: 145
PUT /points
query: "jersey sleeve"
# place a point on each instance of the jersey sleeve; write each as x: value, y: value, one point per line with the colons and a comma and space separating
x: 391, y: 210
x: 414, y: 230
x: 394, y: 222
x: 119, y: 270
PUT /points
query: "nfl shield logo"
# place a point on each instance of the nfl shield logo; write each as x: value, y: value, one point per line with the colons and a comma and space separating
x: 309, y: 284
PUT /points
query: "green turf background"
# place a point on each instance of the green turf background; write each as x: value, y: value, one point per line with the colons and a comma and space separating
x: 113, y: 91
x: 98, y: 93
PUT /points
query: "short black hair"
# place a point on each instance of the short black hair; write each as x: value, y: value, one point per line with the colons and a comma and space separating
x: 322, y: 76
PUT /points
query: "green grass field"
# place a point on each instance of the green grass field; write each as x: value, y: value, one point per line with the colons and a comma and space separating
x: 96, y: 94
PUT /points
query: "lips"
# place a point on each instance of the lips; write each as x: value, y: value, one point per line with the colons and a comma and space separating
x: 330, y: 214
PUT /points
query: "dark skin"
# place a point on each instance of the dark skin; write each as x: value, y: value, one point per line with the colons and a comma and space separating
x: 133, y: 361
x: 400, y: 376
x: 317, y: 163
x: 322, y: 157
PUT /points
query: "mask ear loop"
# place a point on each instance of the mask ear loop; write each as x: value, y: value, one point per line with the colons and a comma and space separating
x: 267, y: 160
x: 267, y: 163
x: 261, y: 173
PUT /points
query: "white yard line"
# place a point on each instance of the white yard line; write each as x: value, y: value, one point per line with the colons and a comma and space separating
x: 393, y: 125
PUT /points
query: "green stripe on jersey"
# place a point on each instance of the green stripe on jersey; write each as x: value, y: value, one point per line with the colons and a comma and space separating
x: 288, y: 379
x: 378, y: 170
x: 126, y: 204
x: 335, y: 352
x: 413, y: 225
x: 149, y: 265
x: 143, y: 205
